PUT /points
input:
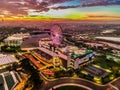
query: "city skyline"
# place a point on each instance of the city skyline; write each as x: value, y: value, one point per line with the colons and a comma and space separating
x: 59, y: 10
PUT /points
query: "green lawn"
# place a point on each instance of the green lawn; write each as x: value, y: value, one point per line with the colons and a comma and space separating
x: 104, y: 63
x: 109, y: 65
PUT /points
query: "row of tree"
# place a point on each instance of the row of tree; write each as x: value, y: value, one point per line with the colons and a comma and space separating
x: 13, y: 49
x: 34, y: 76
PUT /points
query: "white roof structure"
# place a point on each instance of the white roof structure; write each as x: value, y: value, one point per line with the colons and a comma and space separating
x: 95, y: 44
x: 18, y: 36
x: 52, y: 53
x: 7, y: 60
x: 13, y: 38
x: 115, y: 39
x: 109, y: 31
x: 47, y: 51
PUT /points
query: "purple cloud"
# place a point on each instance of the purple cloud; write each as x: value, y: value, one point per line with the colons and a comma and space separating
x: 89, y: 3
x: 17, y: 7
x: 65, y: 7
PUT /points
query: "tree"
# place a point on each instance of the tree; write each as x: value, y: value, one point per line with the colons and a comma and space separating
x: 70, y: 72
x: 34, y: 78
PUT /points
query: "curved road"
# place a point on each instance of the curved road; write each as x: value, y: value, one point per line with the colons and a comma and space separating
x: 50, y: 84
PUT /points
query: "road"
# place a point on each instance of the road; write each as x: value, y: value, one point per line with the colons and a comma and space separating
x: 49, y: 84
x: 38, y: 65
x: 83, y: 82
x: 38, y: 58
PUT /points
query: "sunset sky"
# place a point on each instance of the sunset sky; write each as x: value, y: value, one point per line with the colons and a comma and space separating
x: 60, y: 9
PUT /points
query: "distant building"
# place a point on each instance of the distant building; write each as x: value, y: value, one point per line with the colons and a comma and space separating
x: 115, y: 56
x: 8, y: 79
x: 6, y: 60
x: 38, y: 32
x: 83, y: 59
x: 109, y: 39
x: 97, y: 45
x: 15, y: 39
x: 79, y: 58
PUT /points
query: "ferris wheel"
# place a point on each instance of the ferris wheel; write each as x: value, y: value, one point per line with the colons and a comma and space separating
x: 56, y: 35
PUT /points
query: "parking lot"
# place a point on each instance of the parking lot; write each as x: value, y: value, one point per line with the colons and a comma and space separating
x: 95, y: 71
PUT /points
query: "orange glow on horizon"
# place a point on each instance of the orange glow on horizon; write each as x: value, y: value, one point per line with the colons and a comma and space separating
x: 57, y: 19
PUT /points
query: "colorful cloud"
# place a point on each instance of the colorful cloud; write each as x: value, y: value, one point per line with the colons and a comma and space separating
x: 60, y: 9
